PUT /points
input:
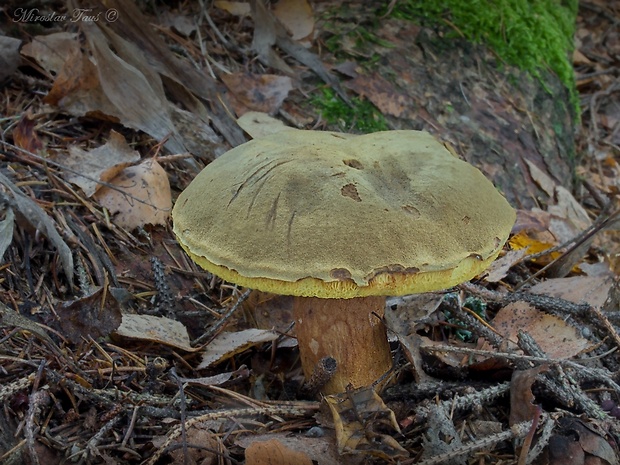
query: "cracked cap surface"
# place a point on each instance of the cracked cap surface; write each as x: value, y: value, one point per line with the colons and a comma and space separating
x: 337, y: 215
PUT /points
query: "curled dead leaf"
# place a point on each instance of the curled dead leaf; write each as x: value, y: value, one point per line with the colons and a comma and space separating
x: 142, y: 196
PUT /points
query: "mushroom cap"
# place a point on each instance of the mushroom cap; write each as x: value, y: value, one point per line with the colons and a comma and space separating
x: 334, y: 215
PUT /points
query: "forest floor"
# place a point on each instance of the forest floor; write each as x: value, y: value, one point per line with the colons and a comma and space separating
x: 116, y: 349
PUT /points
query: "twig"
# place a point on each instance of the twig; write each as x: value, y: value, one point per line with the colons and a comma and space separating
x: 517, y: 431
x: 223, y: 320
x: 294, y: 410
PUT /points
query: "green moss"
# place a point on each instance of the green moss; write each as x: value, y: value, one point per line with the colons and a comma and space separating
x: 361, y: 116
x: 530, y: 34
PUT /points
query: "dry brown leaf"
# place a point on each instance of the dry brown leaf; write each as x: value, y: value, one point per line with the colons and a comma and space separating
x: 132, y: 86
x: 381, y: 93
x: 51, y: 51
x: 554, y: 336
x: 264, y: 93
x: 156, y: 329
x: 206, y: 454
x: 273, y: 452
x: 361, y: 419
x: 522, y: 406
x: 296, y: 16
x: 270, y: 311
x: 95, y: 315
x: 143, y: 196
x: 102, y: 163
x: 226, y: 345
x: 321, y: 450
x: 25, y: 136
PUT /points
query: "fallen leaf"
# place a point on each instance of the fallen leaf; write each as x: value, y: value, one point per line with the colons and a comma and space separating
x: 543, y: 180
x: 264, y: 93
x: 296, y: 16
x: 25, y: 136
x: 156, y: 329
x: 500, y: 267
x: 577, y: 442
x: 522, y: 406
x: 51, y: 51
x: 206, y: 454
x: 143, y: 196
x: 9, y: 56
x: 360, y: 419
x: 132, y: 86
x: 321, y: 450
x: 266, y: 30
x: 273, y: 452
x: 226, y: 345
x: 592, y: 290
x: 234, y: 8
x: 381, y: 93
x: 95, y: 315
x: 102, y: 163
x: 554, y: 336
x: 258, y: 124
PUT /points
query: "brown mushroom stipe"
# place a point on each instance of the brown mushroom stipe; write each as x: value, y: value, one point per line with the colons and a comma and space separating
x: 343, y: 218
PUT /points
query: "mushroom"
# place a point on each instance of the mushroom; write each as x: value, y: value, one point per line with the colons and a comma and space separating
x: 340, y: 221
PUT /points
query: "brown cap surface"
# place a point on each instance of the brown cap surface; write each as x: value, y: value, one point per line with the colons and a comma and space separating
x: 338, y: 215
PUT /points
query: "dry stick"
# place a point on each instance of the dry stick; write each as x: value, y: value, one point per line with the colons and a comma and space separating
x: 596, y: 373
x: 216, y: 327
x: 175, y: 377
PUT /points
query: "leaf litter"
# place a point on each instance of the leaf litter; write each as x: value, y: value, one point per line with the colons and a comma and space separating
x: 117, y: 359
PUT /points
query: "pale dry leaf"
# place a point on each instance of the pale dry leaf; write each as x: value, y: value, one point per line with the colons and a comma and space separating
x: 226, y: 345
x: 156, y: 329
x: 234, y: 8
x: 592, y: 290
x: 541, y: 178
x: 102, y: 163
x: 133, y: 87
x: 273, y: 452
x: 258, y: 124
x: 296, y: 16
x: 142, y: 196
x: 555, y: 337
x: 500, y: 267
x: 52, y: 50
x: 266, y: 30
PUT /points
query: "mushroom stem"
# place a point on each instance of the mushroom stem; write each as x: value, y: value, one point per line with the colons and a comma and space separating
x: 350, y: 331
